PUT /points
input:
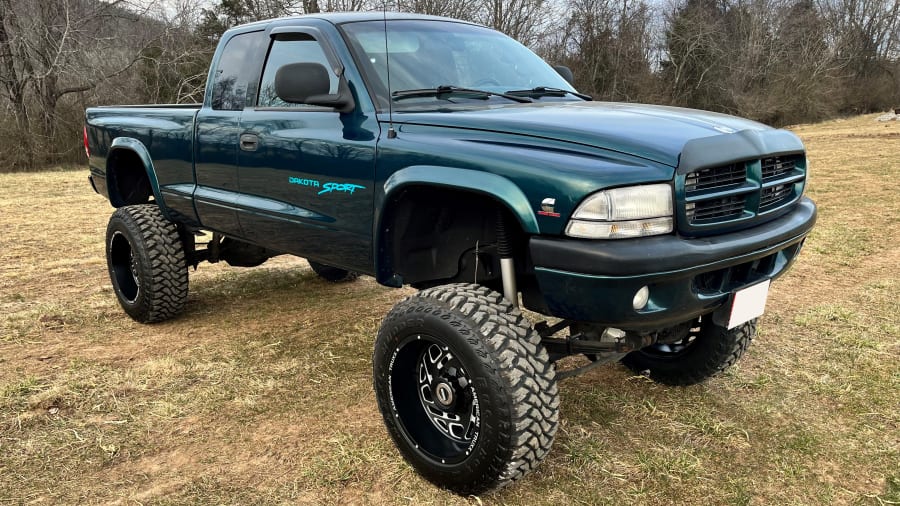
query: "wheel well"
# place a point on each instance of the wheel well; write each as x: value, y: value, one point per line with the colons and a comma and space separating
x: 127, y: 179
x: 430, y: 235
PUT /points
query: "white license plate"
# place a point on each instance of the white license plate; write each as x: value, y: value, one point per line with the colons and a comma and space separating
x: 748, y: 303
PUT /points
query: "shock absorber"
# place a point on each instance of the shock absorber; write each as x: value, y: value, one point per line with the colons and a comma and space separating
x: 507, y: 264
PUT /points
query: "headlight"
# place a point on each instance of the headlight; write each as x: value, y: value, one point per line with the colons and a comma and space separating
x: 635, y: 211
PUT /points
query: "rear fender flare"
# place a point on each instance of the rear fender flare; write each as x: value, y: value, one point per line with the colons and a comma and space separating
x: 137, y: 147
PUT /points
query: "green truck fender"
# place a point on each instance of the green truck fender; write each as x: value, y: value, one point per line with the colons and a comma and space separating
x: 137, y: 147
x: 496, y: 187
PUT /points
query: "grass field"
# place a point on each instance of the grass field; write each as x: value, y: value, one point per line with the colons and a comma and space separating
x: 261, y: 391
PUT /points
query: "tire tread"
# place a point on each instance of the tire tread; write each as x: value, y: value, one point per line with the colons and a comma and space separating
x: 166, y: 288
x: 525, y: 369
x: 721, y: 349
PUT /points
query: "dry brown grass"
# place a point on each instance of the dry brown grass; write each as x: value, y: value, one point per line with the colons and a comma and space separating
x: 261, y: 391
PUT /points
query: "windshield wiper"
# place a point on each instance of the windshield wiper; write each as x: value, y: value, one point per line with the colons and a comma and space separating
x: 544, y: 91
x: 447, y: 89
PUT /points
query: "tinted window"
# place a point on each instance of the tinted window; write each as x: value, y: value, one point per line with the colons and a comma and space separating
x: 291, y: 51
x: 238, y: 71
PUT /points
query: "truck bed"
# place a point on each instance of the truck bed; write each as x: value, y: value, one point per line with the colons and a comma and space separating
x: 161, y: 134
x: 150, y: 106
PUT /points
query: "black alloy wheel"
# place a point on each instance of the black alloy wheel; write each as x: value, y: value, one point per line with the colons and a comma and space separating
x: 146, y: 262
x: 465, y: 388
x: 439, y: 410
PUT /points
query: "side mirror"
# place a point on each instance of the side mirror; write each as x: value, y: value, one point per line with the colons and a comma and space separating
x: 308, y: 83
x: 566, y: 73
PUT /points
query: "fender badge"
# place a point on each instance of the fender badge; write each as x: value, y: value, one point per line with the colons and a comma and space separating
x: 547, y: 206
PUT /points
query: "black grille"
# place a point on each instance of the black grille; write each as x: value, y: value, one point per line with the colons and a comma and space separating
x: 716, y: 177
x: 739, y: 276
x: 742, y: 275
x: 714, y: 198
x: 777, y: 166
x: 724, y: 208
x: 774, y: 195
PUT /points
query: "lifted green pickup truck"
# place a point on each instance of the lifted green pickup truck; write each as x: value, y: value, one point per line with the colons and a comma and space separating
x: 440, y: 154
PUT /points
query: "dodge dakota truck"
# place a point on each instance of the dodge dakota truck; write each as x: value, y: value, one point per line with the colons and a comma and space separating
x: 446, y: 156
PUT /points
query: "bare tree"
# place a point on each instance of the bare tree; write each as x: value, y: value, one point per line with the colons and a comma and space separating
x: 174, y: 67
x: 459, y: 9
x: 779, y: 61
x: 609, y: 43
x: 346, y: 5
x: 522, y: 20
x: 804, y: 74
x: 694, y: 68
x: 51, y: 50
x: 866, y: 39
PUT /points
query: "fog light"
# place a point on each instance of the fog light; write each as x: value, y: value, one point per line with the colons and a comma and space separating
x: 641, y: 298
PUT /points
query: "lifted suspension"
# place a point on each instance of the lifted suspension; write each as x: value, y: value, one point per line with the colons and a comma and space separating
x: 601, y: 345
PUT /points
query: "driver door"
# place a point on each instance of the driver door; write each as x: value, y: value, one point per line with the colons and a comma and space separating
x: 306, y: 172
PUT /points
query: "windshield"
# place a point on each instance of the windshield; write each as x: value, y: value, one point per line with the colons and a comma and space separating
x: 429, y: 54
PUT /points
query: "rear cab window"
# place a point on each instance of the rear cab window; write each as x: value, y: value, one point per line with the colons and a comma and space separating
x: 236, y: 77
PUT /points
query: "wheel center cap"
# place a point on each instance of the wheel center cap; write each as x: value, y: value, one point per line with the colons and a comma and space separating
x: 444, y: 394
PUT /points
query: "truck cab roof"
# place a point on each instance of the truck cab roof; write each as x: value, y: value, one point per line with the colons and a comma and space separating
x: 339, y: 18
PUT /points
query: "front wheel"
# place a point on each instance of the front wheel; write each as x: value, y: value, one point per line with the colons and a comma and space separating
x: 466, y: 390
x: 703, y: 351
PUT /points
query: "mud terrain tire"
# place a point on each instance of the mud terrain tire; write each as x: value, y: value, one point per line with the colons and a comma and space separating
x: 706, y: 351
x: 146, y: 262
x: 499, y: 409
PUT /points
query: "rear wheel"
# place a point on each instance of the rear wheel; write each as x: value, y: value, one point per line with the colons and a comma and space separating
x: 465, y: 388
x: 703, y: 351
x: 146, y: 263
x: 333, y: 274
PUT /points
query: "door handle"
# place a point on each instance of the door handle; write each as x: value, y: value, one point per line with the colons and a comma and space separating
x: 249, y: 142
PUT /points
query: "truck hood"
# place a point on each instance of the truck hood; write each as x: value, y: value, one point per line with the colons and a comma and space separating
x: 656, y: 133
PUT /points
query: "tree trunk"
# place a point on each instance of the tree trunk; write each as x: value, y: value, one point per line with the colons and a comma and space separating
x: 14, y: 84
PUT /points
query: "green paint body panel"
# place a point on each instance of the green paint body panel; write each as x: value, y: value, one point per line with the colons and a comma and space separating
x: 137, y: 147
x: 318, y: 182
x: 470, y: 180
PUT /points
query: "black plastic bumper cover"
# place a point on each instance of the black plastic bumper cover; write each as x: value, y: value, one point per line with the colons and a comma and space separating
x: 594, y: 280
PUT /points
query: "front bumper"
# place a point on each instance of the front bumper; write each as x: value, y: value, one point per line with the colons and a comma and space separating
x: 595, y: 281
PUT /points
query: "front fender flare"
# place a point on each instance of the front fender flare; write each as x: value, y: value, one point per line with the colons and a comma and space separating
x: 491, y: 185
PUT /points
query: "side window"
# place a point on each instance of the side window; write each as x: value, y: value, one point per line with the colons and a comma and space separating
x: 284, y: 52
x: 238, y: 71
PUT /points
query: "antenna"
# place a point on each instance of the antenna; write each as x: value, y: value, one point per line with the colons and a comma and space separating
x: 391, y: 133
